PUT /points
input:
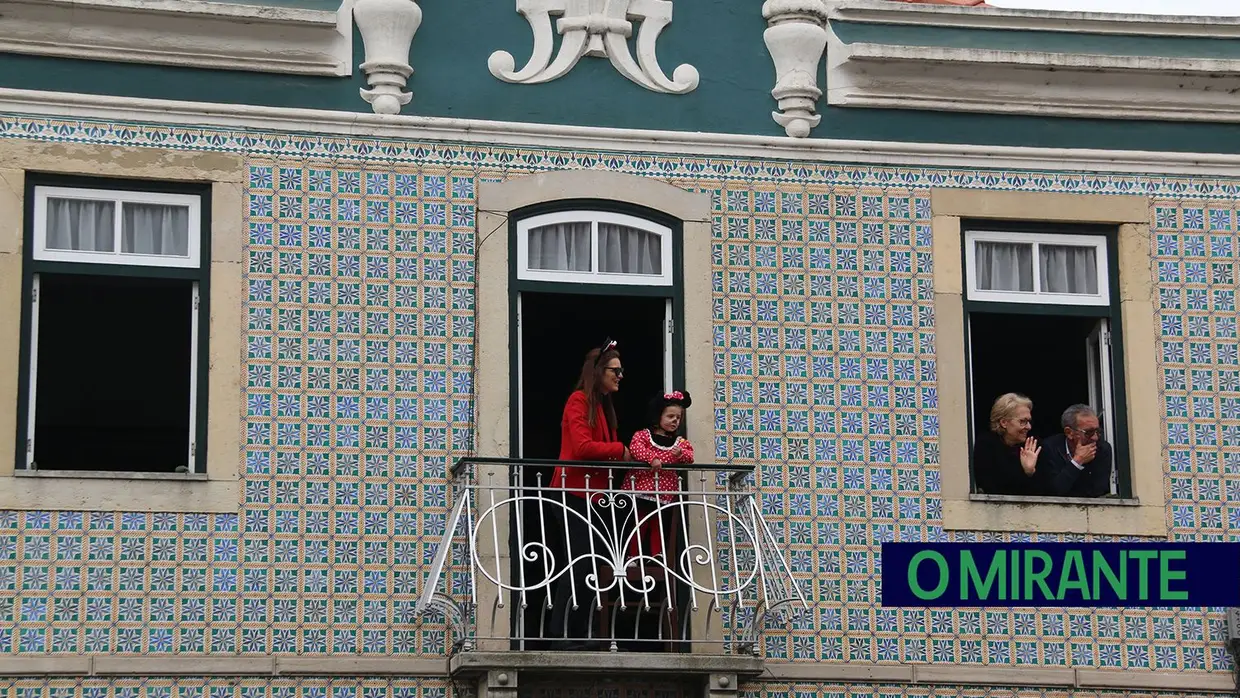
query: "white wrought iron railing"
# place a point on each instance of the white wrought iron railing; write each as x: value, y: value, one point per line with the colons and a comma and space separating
x: 524, y: 561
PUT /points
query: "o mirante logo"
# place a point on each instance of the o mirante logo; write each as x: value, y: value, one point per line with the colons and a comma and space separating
x: 1061, y: 574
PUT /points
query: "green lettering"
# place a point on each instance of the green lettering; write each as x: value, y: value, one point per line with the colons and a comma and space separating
x: 1103, y: 568
x: 969, y: 576
x: 1039, y: 576
x: 1166, y: 575
x: 1074, y: 566
x: 1015, y: 580
x: 1143, y: 558
x: 944, y: 575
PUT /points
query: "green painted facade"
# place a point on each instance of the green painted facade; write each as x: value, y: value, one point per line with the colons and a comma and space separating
x: 450, y: 51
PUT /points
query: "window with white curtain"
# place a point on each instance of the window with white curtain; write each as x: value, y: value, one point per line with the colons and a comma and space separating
x: 114, y: 339
x: 594, y: 247
x: 1037, y: 268
x: 101, y: 226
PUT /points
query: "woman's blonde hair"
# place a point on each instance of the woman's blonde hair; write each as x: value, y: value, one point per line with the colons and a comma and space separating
x: 1003, y: 408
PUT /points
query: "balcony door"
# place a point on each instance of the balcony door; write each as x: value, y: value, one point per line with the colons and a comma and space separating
x: 583, y: 275
x: 556, y: 330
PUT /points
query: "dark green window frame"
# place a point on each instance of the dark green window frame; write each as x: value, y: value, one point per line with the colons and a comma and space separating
x: 32, y: 267
x: 1111, y: 312
x: 676, y: 292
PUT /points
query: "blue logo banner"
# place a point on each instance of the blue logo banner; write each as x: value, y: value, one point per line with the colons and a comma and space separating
x: 1178, y: 575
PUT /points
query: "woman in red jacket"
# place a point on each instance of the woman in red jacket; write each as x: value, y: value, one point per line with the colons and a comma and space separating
x: 587, y: 432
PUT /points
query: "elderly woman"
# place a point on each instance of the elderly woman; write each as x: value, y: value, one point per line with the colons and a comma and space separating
x: 1005, y: 459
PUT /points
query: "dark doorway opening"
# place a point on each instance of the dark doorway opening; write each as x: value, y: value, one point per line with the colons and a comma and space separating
x: 556, y: 332
x: 113, y: 385
x: 1041, y: 356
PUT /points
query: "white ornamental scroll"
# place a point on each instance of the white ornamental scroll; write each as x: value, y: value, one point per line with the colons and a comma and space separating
x: 599, y: 28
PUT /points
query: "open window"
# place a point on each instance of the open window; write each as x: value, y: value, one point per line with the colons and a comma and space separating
x: 115, y: 331
x: 1042, y: 319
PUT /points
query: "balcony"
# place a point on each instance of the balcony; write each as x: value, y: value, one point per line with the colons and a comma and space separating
x: 531, y: 579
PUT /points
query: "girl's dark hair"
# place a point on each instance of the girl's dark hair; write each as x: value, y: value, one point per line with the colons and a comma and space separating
x: 654, y: 412
x: 591, y: 378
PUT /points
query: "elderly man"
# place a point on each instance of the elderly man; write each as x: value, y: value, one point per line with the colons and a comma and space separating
x: 1077, y: 463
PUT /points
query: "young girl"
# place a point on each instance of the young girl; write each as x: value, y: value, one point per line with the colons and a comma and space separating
x: 658, y: 446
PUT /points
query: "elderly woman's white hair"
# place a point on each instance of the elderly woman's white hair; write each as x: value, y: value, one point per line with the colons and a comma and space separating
x: 1005, y: 406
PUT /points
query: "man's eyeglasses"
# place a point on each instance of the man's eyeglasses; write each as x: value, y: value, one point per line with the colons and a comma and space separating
x: 1089, y: 433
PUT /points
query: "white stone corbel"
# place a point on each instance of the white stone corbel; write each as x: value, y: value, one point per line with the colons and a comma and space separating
x: 796, y: 37
x: 387, y: 28
x: 599, y: 28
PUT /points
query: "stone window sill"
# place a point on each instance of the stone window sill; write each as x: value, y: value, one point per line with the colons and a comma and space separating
x: 1068, y: 501
x: 117, y: 475
x: 143, y: 492
x: 1109, y: 517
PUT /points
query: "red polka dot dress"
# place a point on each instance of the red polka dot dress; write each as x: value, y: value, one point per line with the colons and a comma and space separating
x: 647, y: 447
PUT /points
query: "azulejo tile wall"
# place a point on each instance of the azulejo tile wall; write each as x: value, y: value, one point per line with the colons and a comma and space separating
x: 359, y: 366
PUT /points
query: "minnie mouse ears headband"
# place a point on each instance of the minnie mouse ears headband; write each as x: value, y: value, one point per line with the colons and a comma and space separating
x: 608, y: 345
x: 676, y: 397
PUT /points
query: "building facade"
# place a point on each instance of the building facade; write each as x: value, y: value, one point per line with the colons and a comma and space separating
x: 320, y: 219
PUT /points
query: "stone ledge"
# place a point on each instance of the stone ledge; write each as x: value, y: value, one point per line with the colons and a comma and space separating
x: 121, y: 665
x: 45, y: 666
x: 636, y: 664
x: 611, y: 663
x: 187, y: 33
x: 968, y: 69
x: 1021, y: 19
x: 361, y: 666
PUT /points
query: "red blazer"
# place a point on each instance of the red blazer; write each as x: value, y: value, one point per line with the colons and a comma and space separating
x: 580, y: 441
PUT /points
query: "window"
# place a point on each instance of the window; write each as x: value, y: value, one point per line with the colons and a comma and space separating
x: 1030, y: 268
x: 594, y: 247
x: 1041, y: 322
x: 1123, y: 223
x: 116, y: 282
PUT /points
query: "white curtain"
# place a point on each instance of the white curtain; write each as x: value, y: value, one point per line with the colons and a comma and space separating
x: 76, y: 224
x: 1004, y: 266
x: 560, y: 247
x: 155, y: 229
x: 1066, y: 269
x: 625, y: 250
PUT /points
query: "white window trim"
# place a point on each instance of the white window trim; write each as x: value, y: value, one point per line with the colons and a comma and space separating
x: 1098, y: 242
x: 593, y: 277
x: 119, y: 197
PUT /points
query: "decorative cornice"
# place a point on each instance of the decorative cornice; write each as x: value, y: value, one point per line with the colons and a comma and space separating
x: 1178, y: 26
x: 776, y: 672
x: 1029, y: 82
x: 598, y: 28
x: 925, y: 67
x: 188, y: 33
x: 339, y: 123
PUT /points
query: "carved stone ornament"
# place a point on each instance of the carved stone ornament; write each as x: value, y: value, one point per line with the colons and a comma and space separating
x: 595, y: 28
x: 387, y: 28
x: 796, y: 37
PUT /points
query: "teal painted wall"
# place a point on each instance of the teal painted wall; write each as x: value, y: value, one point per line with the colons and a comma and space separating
x: 721, y: 38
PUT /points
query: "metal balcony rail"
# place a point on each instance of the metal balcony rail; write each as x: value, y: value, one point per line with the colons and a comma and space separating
x: 526, y: 561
